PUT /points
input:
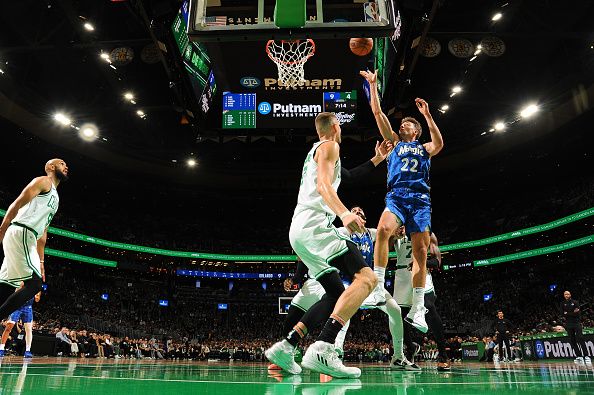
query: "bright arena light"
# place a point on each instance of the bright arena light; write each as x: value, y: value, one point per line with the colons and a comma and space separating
x: 105, y: 57
x: 455, y: 90
x: 88, y: 132
x: 499, y: 126
x: 62, y: 119
x: 445, y: 107
x: 529, y: 111
x: 129, y: 96
x: 191, y: 162
x: 89, y: 27
x: 140, y: 113
x: 497, y: 17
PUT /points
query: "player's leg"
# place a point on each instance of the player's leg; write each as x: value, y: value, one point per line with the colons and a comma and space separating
x: 436, y: 326
x: 7, y: 328
x: 579, y: 339
x: 385, y: 229
x: 28, y: 338
x: 321, y: 356
x: 281, y: 353
x: 395, y: 324
x: 20, y: 297
x: 309, y: 294
x: 420, y: 246
x: 339, y: 342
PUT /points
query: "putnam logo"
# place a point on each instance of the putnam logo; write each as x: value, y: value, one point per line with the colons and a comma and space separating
x: 295, y: 110
x: 325, y: 84
x: 249, y: 82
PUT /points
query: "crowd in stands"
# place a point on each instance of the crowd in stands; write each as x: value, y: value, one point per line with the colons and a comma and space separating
x: 192, y: 326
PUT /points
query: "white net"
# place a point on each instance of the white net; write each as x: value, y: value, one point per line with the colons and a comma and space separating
x: 290, y: 57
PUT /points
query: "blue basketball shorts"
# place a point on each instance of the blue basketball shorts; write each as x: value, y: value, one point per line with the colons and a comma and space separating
x: 413, y: 209
x: 24, y: 313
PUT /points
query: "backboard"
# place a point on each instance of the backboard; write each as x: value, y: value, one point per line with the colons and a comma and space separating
x: 248, y: 20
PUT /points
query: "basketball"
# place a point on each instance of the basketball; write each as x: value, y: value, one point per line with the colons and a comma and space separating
x: 361, y: 46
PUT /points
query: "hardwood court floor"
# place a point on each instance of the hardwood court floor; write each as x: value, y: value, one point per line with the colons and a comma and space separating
x: 129, y: 377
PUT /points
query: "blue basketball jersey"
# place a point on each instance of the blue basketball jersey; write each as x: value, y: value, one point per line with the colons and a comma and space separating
x: 408, y: 167
x: 364, y: 243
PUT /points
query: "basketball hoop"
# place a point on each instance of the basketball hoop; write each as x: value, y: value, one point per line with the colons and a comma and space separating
x: 290, y: 57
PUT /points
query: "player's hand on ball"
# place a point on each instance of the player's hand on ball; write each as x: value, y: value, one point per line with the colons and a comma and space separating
x: 422, y: 105
x: 287, y: 284
x: 354, y: 223
x: 369, y: 76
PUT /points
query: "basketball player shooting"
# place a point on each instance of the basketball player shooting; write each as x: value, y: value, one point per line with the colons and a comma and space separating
x: 407, y: 201
x: 23, y: 234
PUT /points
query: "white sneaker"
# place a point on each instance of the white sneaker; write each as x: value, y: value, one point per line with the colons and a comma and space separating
x: 588, y: 360
x: 404, y: 364
x: 376, y: 298
x: 417, y: 319
x: 322, y: 358
x: 282, y: 354
x: 579, y: 360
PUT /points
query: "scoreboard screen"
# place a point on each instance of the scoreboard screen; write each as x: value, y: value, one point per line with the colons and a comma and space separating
x: 297, y: 109
x: 239, y: 110
x: 343, y: 104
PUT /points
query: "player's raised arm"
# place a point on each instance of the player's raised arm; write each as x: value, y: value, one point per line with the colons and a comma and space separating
x: 380, y: 118
x: 363, y: 170
x: 436, y: 144
x: 326, y: 157
x: 34, y: 188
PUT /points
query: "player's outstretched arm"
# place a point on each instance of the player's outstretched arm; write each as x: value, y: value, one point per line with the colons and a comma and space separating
x: 436, y: 144
x: 357, y: 173
x: 34, y: 188
x: 380, y: 118
x: 326, y: 158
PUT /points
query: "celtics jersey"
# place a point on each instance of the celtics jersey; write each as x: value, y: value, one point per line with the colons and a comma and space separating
x: 309, y: 198
x: 38, y: 213
x: 404, y: 263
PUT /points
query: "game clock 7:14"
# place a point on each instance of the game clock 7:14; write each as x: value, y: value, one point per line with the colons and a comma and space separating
x: 343, y: 104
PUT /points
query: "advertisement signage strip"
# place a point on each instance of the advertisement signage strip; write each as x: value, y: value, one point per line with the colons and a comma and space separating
x: 287, y: 258
x: 80, y: 258
x: 234, y: 275
x: 538, y: 251
x: 522, y: 232
x: 557, y: 347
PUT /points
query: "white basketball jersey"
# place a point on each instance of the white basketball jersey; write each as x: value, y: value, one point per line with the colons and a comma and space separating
x: 309, y: 198
x: 38, y: 213
x: 404, y: 264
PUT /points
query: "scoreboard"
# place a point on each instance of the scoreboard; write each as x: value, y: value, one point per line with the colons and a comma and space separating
x: 296, y: 109
x: 343, y: 104
x: 239, y: 110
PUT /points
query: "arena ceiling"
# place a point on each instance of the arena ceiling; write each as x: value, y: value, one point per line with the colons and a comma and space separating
x: 50, y: 63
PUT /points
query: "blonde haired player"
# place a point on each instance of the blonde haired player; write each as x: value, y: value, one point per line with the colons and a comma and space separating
x: 23, y: 234
x: 325, y: 252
